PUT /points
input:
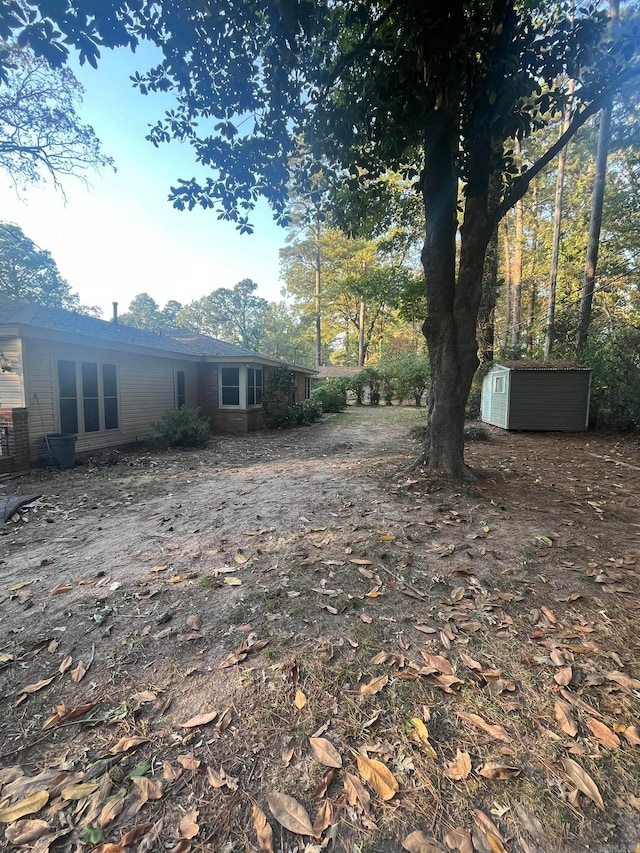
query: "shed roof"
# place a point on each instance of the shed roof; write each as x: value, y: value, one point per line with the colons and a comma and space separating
x: 528, y: 364
x: 182, y: 341
x: 335, y: 371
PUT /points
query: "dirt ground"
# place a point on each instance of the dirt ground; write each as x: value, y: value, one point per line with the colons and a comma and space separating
x: 288, y: 633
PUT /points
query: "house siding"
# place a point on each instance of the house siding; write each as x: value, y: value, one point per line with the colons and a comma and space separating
x: 11, y: 382
x: 549, y: 400
x: 495, y: 406
x: 146, y: 388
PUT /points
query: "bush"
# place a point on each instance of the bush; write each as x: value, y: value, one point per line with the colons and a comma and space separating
x: 412, y: 376
x: 374, y: 381
x: 357, y: 384
x: 300, y: 414
x: 279, y: 389
x: 332, y: 395
x: 614, y: 358
x: 183, y: 427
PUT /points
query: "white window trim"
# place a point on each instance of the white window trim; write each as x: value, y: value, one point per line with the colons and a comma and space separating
x: 242, y: 379
x: 79, y: 397
x: 500, y: 384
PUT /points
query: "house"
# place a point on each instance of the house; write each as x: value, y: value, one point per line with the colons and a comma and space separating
x: 62, y: 372
x: 536, y: 395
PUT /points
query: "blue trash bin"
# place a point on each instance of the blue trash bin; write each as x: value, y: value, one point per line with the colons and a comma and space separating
x: 62, y: 448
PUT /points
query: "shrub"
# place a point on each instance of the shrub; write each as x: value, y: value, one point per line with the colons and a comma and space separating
x: 183, y: 427
x: 614, y: 357
x: 279, y: 389
x: 300, y: 414
x: 332, y: 395
x: 387, y: 384
x: 357, y: 384
x: 412, y: 375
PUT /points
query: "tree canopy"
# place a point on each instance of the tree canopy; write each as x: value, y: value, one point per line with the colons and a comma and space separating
x: 235, y: 315
x: 41, y: 134
x: 29, y: 273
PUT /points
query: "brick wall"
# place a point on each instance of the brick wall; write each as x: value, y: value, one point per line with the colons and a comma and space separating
x: 18, y: 445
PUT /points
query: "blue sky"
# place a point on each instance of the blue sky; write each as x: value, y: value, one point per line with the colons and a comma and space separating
x: 121, y: 236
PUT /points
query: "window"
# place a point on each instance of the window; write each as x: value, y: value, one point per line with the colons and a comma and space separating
x: 181, y: 396
x: 307, y: 387
x: 88, y: 396
x: 68, y: 396
x: 499, y: 385
x: 254, y: 386
x: 230, y: 386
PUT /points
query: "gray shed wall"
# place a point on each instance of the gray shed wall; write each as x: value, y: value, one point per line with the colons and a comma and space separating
x: 549, y: 399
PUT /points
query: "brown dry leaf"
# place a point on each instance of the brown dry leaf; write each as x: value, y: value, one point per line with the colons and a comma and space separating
x: 300, y: 700
x: 632, y: 734
x: 26, y: 831
x: 565, y: 718
x: 583, y: 781
x: 438, y: 662
x: 134, y: 834
x: 232, y: 581
x: 65, y: 665
x: 38, y: 685
x: 496, y: 731
x: 459, y: 839
x: 158, y: 568
x: 215, y: 779
x: 29, y: 805
x: 263, y: 830
x: 188, y: 762
x: 549, y: 615
x: 199, y: 720
x: 149, y: 790
x: 447, y: 682
x: 79, y: 791
x: 563, y: 676
x: 378, y: 776
x: 603, y: 733
x: 531, y: 823
x: 470, y: 663
x: 78, y: 673
x: 127, y: 743
x: 374, y: 686
x: 194, y: 622
x: 170, y: 773
x: 290, y: 814
x: 619, y: 678
x: 490, y: 770
x: 189, y: 824
x: 321, y: 790
x: 356, y: 792
x: 459, y: 768
x: 490, y: 832
x: 418, y: 842
x: 110, y: 811
x: 325, y: 752
x: 366, y: 619
x: 324, y: 818
x: 183, y: 846
x: 64, y: 715
x: 239, y: 558
x: 419, y: 734
x: 358, y: 562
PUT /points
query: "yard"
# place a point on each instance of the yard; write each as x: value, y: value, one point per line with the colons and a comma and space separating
x: 291, y: 641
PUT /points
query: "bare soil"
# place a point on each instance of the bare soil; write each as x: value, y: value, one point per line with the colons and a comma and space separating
x: 302, y: 584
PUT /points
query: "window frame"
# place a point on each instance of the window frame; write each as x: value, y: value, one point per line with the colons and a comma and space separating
x: 81, y: 370
x: 181, y: 378
x: 500, y: 384
x: 243, y: 386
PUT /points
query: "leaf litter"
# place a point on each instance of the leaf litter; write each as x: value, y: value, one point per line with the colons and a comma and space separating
x: 501, y: 687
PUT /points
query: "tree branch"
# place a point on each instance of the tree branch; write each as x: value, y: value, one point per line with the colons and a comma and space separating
x: 521, y: 183
x: 372, y: 29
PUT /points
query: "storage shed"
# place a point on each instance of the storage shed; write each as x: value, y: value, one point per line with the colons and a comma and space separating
x: 537, y: 395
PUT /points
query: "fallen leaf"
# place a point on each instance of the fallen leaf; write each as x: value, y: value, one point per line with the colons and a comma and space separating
x: 489, y: 831
x: 149, y: 790
x: 374, y: 686
x: 135, y: 833
x: 496, y: 731
x: 419, y: 734
x: 26, y: 831
x: 438, y: 662
x: 531, y: 823
x: 565, y: 718
x: 64, y: 715
x: 199, y: 720
x: 188, y: 762
x: 459, y: 839
x: 158, y: 568
x: 359, y: 562
x: 183, y: 846
x: 127, y: 743
x: 603, y: 733
x: 324, y: 818
x: 189, y: 825
x: 325, y: 752
x: 470, y: 663
x: 38, y: 685
x: 366, y: 619
x: 263, y: 830
x: 290, y: 814
x: 239, y: 558
x: 78, y: 673
x: 459, y: 768
x: 619, y: 678
x: 583, y: 781
x: 563, y: 676
x: 356, y: 792
x: 194, y: 622
x: 79, y: 791
x: 378, y: 776
x: 231, y: 581
x: 110, y: 811
x: 300, y: 700
x: 29, y: 805
x: 632, y: 734
x: 418, y: 842
x: 490, y: 770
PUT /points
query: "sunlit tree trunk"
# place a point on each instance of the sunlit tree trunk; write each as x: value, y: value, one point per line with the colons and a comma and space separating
x: 361, y: 321
x: 318, y: 291
x: 557, y: 226
x: 508, y: 287
x: 597, y: 200
x: 516, y: 273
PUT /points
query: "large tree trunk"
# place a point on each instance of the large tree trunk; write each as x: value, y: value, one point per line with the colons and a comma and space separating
x: 557, y: 223
x: 361, y: 322
x: 318, y: 290
x: 452, y: 305
x: 487, y: 312
x: 516, y: 276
